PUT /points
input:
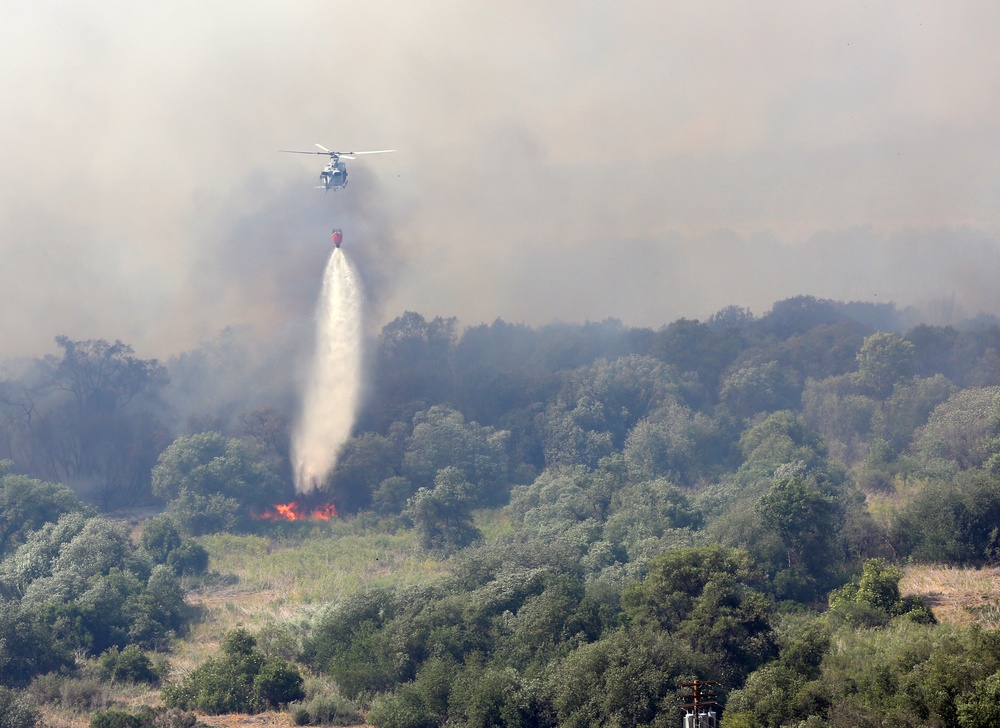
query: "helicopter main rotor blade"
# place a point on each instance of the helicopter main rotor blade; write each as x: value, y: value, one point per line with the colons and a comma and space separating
x: 377, y: 151
x: 296, y: 151
x: 324, y: 148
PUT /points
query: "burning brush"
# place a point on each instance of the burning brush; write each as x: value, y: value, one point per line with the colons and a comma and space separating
x: 299, y: 510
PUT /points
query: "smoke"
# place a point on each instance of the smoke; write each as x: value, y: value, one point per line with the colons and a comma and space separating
x: 333, y: 390
x: 557, y: 161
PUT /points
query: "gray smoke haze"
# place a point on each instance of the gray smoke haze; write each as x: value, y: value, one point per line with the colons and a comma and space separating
x: 557, y: 161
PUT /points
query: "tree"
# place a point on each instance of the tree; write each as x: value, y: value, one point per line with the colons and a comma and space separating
x: 675, y: 443
x: 838, y: 410
x: 413, y: 366
x: 27, y: 504
x: 210, y: 480
x: 363, y: 464
x: 875, y: 598
x: 163, y: 541
x: 804, y: 517
x: 705, y: 595
x: 16, y: 711
x: 442, y: 438
x: 781, y: 438
x: 627, y: 678
x: 26, y: 647
x: 909, y: 407
x: 100, y: 548
x: 159, y: 537
x: 980, y: 708
x: 965, y: 428
x: 883, y: 360
x: 643, y: 512
x: 754, y: 388
x: 612, y: 395
x: 128, y: 665
x: 484, y: 697
x: 243, y: 680
x: 443, y: 516
x: 692, y: 346
x: 98, y: 422
x: 952, y: 522
x: 497, y: 369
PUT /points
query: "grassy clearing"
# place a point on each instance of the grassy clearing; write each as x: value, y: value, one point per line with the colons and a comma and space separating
x: 286, y: 573
x: 958, y: 596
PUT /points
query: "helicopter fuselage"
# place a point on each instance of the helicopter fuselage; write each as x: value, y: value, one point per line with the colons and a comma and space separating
x: 334, y: 175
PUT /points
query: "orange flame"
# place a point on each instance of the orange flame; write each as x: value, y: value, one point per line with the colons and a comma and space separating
x: 296, y: 511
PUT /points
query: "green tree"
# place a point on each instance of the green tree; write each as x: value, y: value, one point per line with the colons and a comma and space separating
x: 951, y: 522
x: 778, y: 439
x: 16, y: 711
x: 980, y: 707
x: 875, y: 598
x: 837, y: 409
x: 27, y: 504
x: 599, y: 404
x: 443, y: 516
x: 754, y: 388
x: 128, y: 665
x: 964, y: 429
x: 26, y: 647
x: 491, y: 697
x: 705, y: 594
x: 909, y: 407
x: 34, y: 558
x: 442, y: 438
x: 627, y: 678
x: 675, y: 443
x: 207, y: 477
x: 883, y: 360
x: 163, y: 541
x: 99, y: 548
x: 413, y: 364
x: 159, y: 537
x: 243, y: 680
x: 363, y: 463
x: 804, y: 518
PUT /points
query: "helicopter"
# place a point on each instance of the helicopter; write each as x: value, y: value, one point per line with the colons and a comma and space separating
x: 334, y: 174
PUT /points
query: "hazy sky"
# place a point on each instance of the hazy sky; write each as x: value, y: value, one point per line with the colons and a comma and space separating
x: 557, y: 160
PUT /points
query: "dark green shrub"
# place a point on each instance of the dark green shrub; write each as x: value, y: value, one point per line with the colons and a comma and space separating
x: 326, y: 710
x: 188, y: 559
x: 875, y: 599
x: 952, y: 522
x: 144, y: 717
x: 159, y: 537
x: 16, y: 711
x: 115, y: 719
x: 278, y: 682
x: 242, y: 681
x: 129, y: 665
x: 402, y: 710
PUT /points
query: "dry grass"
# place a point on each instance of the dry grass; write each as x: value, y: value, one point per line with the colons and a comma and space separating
x: 52, y: 718
x: 957, y: 596
x: 287, y: 578
x: 282, y: 579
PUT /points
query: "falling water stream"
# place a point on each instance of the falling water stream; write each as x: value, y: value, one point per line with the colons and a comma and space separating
x: 333, y: 388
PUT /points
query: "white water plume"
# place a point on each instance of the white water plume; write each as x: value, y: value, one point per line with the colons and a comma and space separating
x: 333, y: 389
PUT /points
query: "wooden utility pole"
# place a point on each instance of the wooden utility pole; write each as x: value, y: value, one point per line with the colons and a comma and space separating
x: 700, y: 711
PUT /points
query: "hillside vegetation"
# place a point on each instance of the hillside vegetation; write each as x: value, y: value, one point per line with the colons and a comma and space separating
x: 537, y: 527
